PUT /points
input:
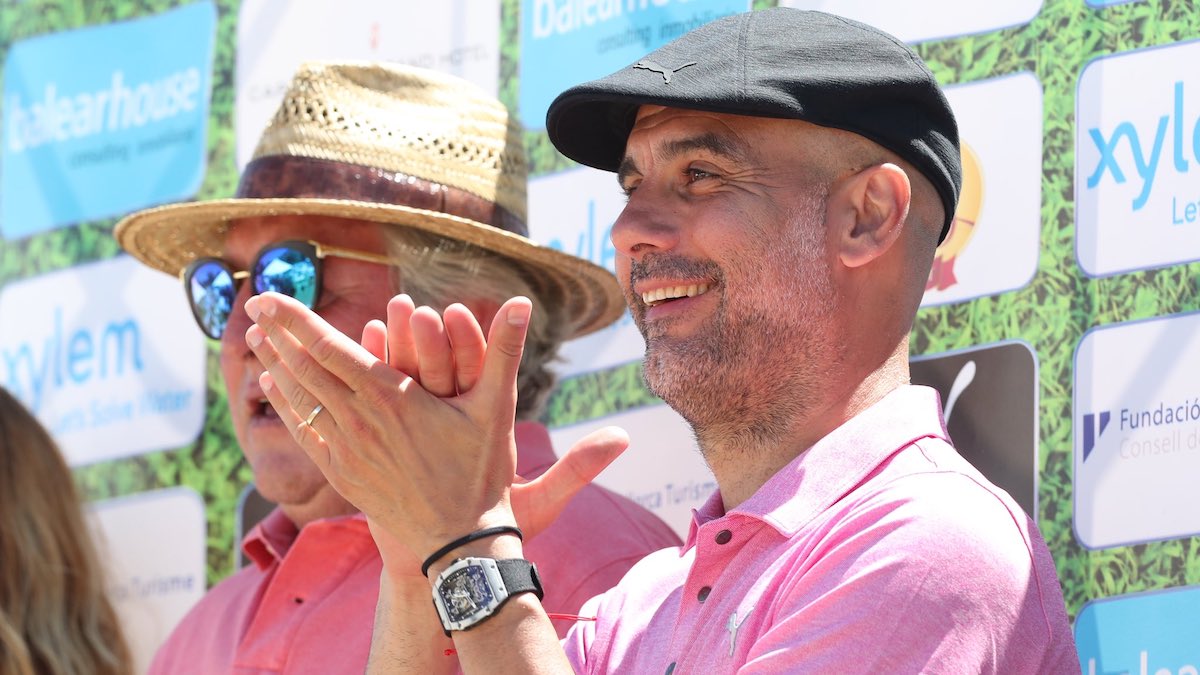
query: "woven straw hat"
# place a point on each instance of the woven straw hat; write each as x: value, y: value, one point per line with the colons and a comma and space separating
x: 394, y: 145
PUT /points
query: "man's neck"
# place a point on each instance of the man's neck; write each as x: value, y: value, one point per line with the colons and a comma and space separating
x: 743, y: 463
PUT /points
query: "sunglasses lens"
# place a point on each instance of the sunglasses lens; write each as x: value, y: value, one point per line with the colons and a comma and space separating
x: 211, y: 290
x: 289, y: 271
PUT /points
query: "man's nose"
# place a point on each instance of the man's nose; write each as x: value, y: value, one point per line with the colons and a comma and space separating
x: 234, y: 336
x: 648, y: 224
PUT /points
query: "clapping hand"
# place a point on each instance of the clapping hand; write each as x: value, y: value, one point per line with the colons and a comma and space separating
x: 416, y: 424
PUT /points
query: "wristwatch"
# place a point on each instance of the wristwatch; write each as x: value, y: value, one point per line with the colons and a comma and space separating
x: 471, y: 589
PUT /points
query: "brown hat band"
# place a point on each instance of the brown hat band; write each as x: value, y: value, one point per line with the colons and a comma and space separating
x: 284, y: 176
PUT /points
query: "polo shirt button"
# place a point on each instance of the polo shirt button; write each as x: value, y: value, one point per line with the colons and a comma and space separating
x: 703, y: 594
x: 671, y: 668
x: 724, y: 536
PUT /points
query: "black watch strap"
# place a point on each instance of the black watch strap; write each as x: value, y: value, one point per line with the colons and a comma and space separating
x: 520, y: 576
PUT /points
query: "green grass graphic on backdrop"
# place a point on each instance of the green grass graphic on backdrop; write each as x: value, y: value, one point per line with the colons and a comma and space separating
x: 213, y: 466
x: 1052, y: 313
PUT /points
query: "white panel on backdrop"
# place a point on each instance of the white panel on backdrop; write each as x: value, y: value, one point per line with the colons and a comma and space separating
x: 662, y: 470
x: 152, y: 546
x: 1137, y: 160
x: 918, y: 20
x: 993, y: 245
x: 460, y: 37
x: 107, y: 356
x: 1137, y: 432
x: 573, y: 211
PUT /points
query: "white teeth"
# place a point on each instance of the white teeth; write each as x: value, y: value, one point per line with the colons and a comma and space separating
x: 673, y: 292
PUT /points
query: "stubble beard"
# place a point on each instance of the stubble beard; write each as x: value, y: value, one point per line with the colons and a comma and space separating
x: 744, y: 380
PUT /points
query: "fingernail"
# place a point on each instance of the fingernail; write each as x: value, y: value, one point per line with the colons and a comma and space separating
x: 252, y: 308
x: 266, y: 382
x: 518, y: 315
x: 254, y: 337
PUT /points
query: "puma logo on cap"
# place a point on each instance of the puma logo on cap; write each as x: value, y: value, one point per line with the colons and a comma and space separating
x: 661, y: 70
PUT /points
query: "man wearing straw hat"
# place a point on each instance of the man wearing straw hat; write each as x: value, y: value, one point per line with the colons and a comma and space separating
x: 789, y: 175
x: 369, y: 181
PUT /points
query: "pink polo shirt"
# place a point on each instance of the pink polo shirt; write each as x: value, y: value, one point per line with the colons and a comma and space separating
x: 307, y: 603
x: 878, y: 550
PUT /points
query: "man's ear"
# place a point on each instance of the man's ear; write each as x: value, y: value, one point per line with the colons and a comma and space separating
x: 875, y: 206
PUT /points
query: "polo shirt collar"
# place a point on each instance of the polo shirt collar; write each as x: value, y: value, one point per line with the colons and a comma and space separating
x: 270, y: 539
x: 834, y: 465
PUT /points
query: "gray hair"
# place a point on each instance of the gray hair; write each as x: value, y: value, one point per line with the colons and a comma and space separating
x: 437, y: 272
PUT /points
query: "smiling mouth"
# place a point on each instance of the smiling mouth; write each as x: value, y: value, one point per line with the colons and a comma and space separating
x: 661, y: 295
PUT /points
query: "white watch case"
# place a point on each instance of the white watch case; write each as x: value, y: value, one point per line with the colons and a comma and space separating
x: 467, y: 592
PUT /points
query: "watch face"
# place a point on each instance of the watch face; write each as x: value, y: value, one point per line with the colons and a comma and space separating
x: 465, y: 591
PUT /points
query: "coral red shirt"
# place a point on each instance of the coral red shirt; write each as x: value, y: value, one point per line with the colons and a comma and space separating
x: 307, y: 603
x: 878, y: 550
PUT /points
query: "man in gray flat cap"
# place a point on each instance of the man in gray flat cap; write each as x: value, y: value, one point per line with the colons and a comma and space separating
x: 789, y: 176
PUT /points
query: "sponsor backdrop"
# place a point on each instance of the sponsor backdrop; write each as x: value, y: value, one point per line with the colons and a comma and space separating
x: 1059, y: 324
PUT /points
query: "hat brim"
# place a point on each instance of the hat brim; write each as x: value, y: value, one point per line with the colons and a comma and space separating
x: 169, y: 237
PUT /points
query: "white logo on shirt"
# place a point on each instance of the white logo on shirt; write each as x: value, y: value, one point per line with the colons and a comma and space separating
x: 734, y: 625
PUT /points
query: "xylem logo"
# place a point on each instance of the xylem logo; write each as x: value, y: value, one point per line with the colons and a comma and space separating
x: 1137, y: 160
x: 1093, y: 426
x: 106, y: 357
x: 1127, y: 151
x: 75, y: 357
x: 593, y: 243
x: 93, y: 129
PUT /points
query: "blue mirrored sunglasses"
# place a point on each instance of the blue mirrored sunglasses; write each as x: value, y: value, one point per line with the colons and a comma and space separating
x: 289, y: 267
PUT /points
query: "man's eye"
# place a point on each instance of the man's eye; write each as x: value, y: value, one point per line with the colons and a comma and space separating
x: 694, y: 174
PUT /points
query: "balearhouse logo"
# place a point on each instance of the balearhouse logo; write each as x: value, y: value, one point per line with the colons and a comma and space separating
x: 61, y: 117
x: 597, y: 37
x: 92, y: 129
x: 1093, y: 426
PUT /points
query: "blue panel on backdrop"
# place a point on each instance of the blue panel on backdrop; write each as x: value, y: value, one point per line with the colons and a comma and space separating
x: 103, y: 120
x: 565, y: 42
x: 1142, y: 634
